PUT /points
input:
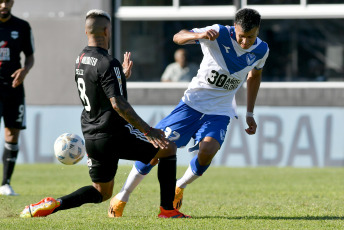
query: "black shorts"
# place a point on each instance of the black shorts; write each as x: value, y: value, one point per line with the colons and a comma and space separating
x: 12, y: 107
x: 103, y: 154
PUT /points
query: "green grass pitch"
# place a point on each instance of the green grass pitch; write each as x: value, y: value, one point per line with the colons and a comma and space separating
x: 224, y: 198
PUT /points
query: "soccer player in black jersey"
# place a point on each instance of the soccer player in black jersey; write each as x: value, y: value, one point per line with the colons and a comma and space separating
x: 111, y: 128
x: 15, y: 37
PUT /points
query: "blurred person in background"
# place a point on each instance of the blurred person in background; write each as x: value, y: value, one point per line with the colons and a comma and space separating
x: 231, y: 56
x: 15, y: 37
x: 180, y: 70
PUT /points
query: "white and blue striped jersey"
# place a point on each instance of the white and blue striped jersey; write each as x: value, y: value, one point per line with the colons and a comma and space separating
x: 222, y: 72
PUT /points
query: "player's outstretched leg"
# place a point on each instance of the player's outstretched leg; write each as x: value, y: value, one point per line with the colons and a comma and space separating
x: 43, y: 208
x: 194, y: 171
x: 47, y: 206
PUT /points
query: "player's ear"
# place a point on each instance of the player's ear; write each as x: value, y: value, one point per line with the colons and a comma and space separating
x: 107, y: 30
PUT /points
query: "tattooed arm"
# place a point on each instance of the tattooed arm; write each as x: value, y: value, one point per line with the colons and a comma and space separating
x: 124, y: 109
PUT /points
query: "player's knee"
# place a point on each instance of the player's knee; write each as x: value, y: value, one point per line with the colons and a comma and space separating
x: 154, y: 161
x: 205, y: 156
x: 105, y: 189
x: 172, y: 149
x: 106, y: 195
x: 11, y: 135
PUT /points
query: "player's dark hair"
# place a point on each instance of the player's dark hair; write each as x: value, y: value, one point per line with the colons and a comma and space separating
x: 247, y: 19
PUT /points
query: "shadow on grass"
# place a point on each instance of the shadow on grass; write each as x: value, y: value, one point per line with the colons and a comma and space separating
x: 272, y: 217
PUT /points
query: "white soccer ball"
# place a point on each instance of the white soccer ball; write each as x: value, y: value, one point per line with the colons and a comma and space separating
x: 69, y: 148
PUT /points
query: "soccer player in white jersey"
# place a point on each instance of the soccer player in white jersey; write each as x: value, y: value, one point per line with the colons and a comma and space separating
x: 232, y: 54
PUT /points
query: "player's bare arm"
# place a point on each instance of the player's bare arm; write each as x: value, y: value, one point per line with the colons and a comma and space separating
x: 253, y: 84
x: 124, y: 109
x: 184, y: 37
x: 20, y: 74
x: 127, y: 65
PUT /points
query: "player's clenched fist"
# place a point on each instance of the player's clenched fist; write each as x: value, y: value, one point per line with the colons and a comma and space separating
x: 211, y: 35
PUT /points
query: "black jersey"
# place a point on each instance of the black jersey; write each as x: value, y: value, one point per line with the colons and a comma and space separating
x: 15, y: 37
x: 99, y: 77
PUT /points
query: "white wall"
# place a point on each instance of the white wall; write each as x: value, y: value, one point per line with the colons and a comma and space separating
x: 287, y: 136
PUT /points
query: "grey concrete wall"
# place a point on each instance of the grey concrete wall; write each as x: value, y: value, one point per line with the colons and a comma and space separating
x: 58, y: 28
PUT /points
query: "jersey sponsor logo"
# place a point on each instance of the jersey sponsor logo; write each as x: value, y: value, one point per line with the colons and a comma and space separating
x: 14, y: 34
x: 78, y: 59
x: 79, y: 72
x: 250, y: 58
x: 4, y: 52
x: 222, y: 80
x: 119, y: 78
x: 227, y: 48
x: 89, y: 60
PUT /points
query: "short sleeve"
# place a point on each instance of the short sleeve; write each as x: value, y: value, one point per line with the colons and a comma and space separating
x: 28, y: 42
x: 204, y: 29
x: 111, y: 78
x: 262, y: 61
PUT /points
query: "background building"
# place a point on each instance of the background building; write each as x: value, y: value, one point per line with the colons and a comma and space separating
x: 305, y: 36
x: 300, y: 123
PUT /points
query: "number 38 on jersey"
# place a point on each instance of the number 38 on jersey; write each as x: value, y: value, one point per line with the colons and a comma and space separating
x: 223, y: 81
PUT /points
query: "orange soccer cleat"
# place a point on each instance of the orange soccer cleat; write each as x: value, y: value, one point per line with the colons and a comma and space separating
x: 171, y: 214
x: 116, y: 207
x: 43, y: 208
x: 178, y: 199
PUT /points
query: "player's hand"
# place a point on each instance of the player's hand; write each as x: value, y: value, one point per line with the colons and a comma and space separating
x: 210, y: 35
x: 252, y: 126
x: 19, y: 76
x: 157, y: 138
x: 127, y: 65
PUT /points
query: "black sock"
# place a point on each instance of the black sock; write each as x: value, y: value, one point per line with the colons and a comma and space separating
x: 9, y: 158
x: 167, y: 178
x: 87, y: 194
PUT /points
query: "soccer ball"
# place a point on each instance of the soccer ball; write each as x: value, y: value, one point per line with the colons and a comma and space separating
x: 69, y: 148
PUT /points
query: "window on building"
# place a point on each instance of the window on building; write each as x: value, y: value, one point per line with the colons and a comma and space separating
x: 325, y: 1
x: 300, y: 49
x: 272, y: 2
x: 205, y: 2
x: 146, y: 2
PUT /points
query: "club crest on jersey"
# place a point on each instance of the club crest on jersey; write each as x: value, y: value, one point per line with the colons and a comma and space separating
x: 250, y: 58
x: 14, y: 34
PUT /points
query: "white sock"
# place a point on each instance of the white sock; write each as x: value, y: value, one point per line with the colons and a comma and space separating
x: 187, y: 178
x: 130, y: 184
